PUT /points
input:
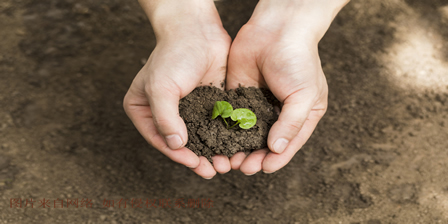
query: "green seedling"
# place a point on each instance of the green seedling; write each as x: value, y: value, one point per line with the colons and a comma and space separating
x: 244, y: 117
x: 223, y: 109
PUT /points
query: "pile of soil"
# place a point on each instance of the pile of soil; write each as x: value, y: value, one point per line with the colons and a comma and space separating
x: 208, y: 137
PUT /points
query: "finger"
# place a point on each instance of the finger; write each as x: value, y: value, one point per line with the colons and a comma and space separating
x: 164, y: 105
x: 205, y: 169
x: 221, y: 164
x: 138, y: 110
x: 236, y: 160
x: 242, y: 69
x: 293, y: 115
x: 253, y: 163
x: 275, y: 161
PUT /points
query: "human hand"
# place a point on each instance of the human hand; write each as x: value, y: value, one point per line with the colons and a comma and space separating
x: 192, y: 48
x: 277, y: 49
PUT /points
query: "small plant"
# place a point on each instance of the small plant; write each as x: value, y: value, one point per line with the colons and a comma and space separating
x: 244, y: 117
x: 224, y: 109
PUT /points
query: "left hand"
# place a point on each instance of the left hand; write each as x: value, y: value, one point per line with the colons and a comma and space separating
x: 279, y: 51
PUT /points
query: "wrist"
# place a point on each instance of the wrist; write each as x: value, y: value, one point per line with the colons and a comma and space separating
x: 308, y: 19
x: 172, y: 17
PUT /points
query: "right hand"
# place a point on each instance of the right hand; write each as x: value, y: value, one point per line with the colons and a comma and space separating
x: 192, y: 48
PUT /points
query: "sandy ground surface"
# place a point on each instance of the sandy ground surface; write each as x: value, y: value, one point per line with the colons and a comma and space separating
x: 380, y: 154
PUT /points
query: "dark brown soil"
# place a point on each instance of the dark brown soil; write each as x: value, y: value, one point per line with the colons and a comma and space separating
x: 208, y: 137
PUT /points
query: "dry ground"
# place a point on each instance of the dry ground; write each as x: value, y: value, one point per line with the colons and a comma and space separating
x: 378, y: 156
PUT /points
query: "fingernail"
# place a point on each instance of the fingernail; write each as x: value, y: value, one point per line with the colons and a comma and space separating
x: 208, y: 178
x: 268, y: 172
x: 174, y: 141
x: 250, y: 174
x: 280, y: 145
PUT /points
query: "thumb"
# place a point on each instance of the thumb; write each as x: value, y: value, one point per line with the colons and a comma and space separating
x: 294, y: 113
x: 165, y: 111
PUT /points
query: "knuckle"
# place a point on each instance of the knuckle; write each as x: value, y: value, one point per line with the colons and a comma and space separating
x: 323, y: 111
x: 162, y: 90
x: 294, y: 125
x: 127, y: 106
x: 149, y: 90
x: 319, y: 113
x: 126, y: 103
x: 161, y: 121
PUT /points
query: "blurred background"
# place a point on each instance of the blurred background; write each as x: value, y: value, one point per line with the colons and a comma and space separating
x: 378, y: 155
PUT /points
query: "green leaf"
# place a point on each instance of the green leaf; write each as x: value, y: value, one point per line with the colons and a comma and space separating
x: 246, y: 118
x: 222, y: 108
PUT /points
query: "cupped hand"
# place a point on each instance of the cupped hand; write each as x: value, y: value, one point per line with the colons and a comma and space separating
x: 184, y: 58
x: 284, y: 59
